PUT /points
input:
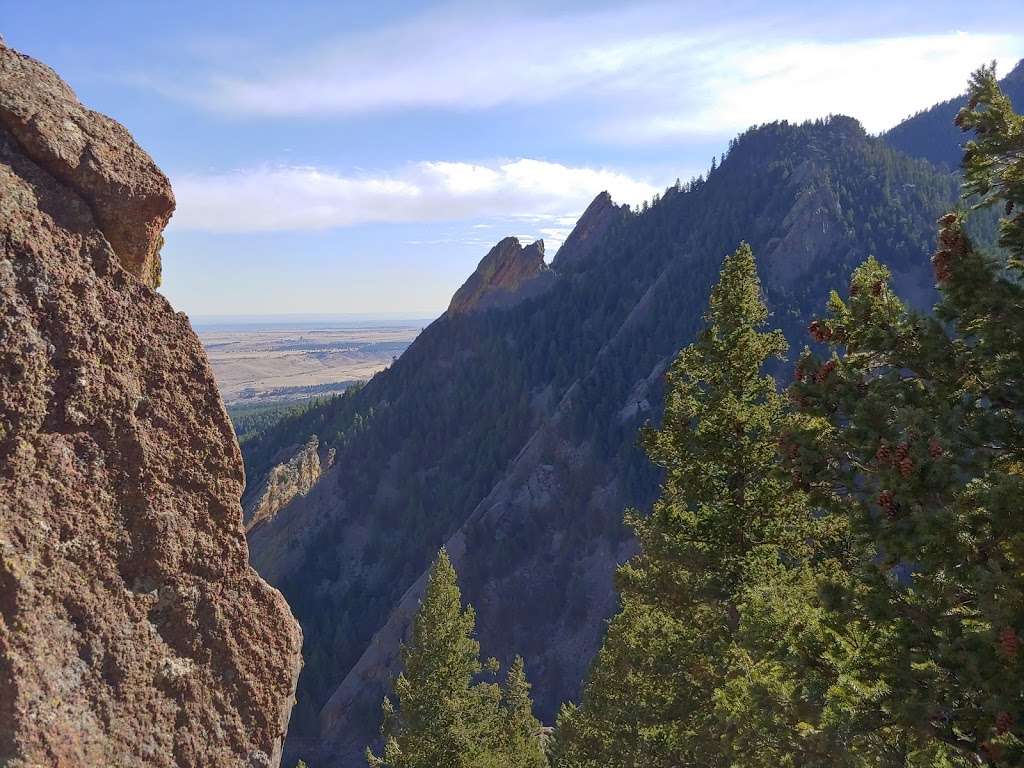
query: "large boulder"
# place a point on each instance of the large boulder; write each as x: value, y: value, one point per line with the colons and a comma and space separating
x: 133, y: 631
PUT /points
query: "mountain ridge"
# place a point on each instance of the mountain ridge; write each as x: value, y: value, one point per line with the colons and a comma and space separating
x: 931, y: 134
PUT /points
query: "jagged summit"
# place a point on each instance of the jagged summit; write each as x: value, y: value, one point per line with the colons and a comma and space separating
x: 508, y: 274
x: 588, y: 231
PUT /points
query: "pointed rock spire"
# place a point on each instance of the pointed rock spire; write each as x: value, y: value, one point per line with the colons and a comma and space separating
x: 588, y: 231
x: 508, y: 274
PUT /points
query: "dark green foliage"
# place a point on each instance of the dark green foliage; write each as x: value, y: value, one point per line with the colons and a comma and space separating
x: 251, y: 421
x: 520, y: 730
x: 915, y: 431
x: 441, y: 717
x: 724, y: 520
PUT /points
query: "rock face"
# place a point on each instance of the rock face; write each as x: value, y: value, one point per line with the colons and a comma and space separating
x: 92, y: 155
x: 589, y: 231
x: 293, y: 477
x: 133, y: 631
x: 507, y: 275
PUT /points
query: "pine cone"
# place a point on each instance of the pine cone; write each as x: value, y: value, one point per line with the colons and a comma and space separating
x: 819, y: 331
x: 883, y: 454
x: 887, y: 501
x: 906, y: 467
x: 941, y: 263
x: 1004, y: 722
x: 1009, y: 643
x: 935, y: 449
x: 825, y: 371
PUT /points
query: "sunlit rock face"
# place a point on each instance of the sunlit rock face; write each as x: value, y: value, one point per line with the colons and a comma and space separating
x: 507, y: 275
x: 133, y: 631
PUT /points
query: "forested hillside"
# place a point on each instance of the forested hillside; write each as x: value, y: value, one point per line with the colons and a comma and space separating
x: 511, y: 435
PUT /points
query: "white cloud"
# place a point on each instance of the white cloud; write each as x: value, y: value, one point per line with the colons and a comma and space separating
x: 656, y: 64
x: 878, y: 81
x: 548, y: 195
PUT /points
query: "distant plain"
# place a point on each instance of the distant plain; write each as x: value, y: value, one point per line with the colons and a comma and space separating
x: 268, y: 360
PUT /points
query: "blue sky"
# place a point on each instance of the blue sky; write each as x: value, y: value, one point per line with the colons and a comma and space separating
x: 354, y: 157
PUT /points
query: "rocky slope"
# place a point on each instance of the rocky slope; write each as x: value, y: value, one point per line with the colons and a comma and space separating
x: 299, y: 469
x: 507, y: 275
x: 510, y: 436
x: 133, y: 631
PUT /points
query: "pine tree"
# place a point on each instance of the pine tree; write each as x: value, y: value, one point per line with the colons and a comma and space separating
x: 522, y: 742
x: 724, y: 515
x: 442, y: 717
x: 923, y: 448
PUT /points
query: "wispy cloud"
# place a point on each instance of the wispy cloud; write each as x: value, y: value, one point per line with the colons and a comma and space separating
x: 650, y: 63
x: 462, y: 60
x: 548, y: 195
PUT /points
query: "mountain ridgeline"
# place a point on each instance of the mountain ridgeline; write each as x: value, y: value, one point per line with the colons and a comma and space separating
x: 932, y: 134
x: 507, y: 431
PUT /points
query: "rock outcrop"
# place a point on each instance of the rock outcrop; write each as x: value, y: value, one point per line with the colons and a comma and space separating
x: 92, y: 155
x: 589, y: 231
x: 507, y: 275
x: 133, y: 631
x: 299, y: 469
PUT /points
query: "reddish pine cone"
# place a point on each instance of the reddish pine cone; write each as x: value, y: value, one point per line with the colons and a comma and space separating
x: 876, y: 289
x: 935, y: 449
x: 905, y: 466
x: 798, y: 372
x: 1009, y: 643
x: 819, y: 331
x: 887, y: 501
x: 1004, y: 722
x: 825, y: 371
x: 902, y: 451
x: 883, y: 454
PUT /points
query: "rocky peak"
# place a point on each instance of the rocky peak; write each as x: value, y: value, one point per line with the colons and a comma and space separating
x: 92, y: 156
x: 297, y: 469
x: 507, y: 275
x: 588, y: 231
x: 1015, y: 75
x: 133, y: 630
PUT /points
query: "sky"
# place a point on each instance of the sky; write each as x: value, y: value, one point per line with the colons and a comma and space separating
x: 361, y: 157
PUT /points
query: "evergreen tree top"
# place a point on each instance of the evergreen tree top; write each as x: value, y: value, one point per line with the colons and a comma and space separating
x: 994, y: 159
